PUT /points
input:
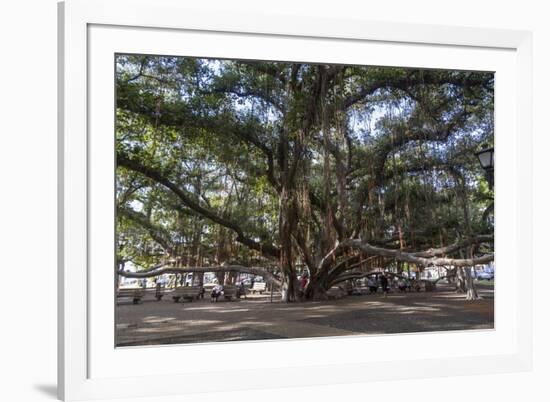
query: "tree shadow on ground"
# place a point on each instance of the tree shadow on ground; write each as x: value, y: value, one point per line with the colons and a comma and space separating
x: 398, y: 316
x: 202, y: 321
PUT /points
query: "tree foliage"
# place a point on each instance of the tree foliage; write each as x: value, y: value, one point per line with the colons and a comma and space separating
x: 297, y: 166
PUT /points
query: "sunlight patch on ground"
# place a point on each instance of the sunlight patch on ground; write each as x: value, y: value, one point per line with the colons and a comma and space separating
x: 157, y: 320
x: 237, y: 310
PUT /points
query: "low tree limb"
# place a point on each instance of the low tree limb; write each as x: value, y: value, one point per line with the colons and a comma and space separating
x: 434, y: 252
x: 135, y: 165
x: 259, y: 271
x: 412, y: 258
x: 156, y: 232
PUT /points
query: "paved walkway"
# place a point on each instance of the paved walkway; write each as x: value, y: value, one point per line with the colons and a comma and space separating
x: 166, y: 322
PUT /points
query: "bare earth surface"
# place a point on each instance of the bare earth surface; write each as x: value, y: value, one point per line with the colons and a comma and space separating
x: 165, y: 322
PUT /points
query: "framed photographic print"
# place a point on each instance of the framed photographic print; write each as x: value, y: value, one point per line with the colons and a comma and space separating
x: 288, y: 200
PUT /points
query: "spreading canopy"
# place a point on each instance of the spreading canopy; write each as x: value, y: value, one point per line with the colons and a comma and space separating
x: 298, y: 165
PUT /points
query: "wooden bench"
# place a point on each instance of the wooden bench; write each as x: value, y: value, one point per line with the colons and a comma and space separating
x: 335, y: 293
x: 135, y: 294
x: 429, y: 286
x: 187, y: 293
x: 230, y: 292
x: 423, y: 285
x: 161, y: 291
x: 348, y: 288
x: 258, y: 287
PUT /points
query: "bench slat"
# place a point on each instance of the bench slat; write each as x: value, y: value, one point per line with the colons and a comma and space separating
x: 258, y: 287
x: 136, y: 294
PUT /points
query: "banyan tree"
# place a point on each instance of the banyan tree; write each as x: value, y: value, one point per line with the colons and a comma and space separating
x: 273, y: 168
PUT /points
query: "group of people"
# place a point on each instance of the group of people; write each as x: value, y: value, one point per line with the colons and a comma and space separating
x: 218, y: 290
x: 382, y: 281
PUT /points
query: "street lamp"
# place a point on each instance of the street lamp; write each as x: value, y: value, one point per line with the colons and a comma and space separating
x: 487, y: 160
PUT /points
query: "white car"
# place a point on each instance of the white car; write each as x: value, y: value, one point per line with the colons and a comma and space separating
x: 485, y: 275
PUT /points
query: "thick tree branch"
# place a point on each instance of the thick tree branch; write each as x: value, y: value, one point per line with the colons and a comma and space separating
x: 157, y: 233
x: 132, y: 164
x: 259, y: 271
x: 408, y: 81
x: 434, y: 252
x: 412, y: 258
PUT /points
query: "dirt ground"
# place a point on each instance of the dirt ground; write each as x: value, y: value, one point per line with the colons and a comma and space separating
x: 256, y: 318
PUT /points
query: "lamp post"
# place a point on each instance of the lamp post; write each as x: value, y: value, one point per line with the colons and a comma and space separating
x: 487, y: 160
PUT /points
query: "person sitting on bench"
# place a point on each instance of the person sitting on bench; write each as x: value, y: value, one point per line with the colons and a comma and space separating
x: 216, y: 292
x: 402, y: 285
x: 242, y: 290
x: 373, y: 286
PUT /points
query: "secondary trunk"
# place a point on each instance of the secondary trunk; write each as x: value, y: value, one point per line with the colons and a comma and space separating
x: 460, y: 280
x: 471, y: 291
x: 288, y: 288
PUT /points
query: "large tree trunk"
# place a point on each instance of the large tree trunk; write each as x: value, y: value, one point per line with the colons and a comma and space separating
x: 317, y: 286
x: 221, y: 254
x: 286, y: 223
x: 317, y: 290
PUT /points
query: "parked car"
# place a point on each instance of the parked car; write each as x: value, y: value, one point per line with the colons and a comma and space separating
x: 485, y: 275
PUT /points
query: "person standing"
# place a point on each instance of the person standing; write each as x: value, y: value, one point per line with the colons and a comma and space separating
x: 384, y: 284
x: 303, y: 282
x: 242, y: 290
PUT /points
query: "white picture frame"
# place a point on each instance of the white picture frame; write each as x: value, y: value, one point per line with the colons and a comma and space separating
x: 89, y: 31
